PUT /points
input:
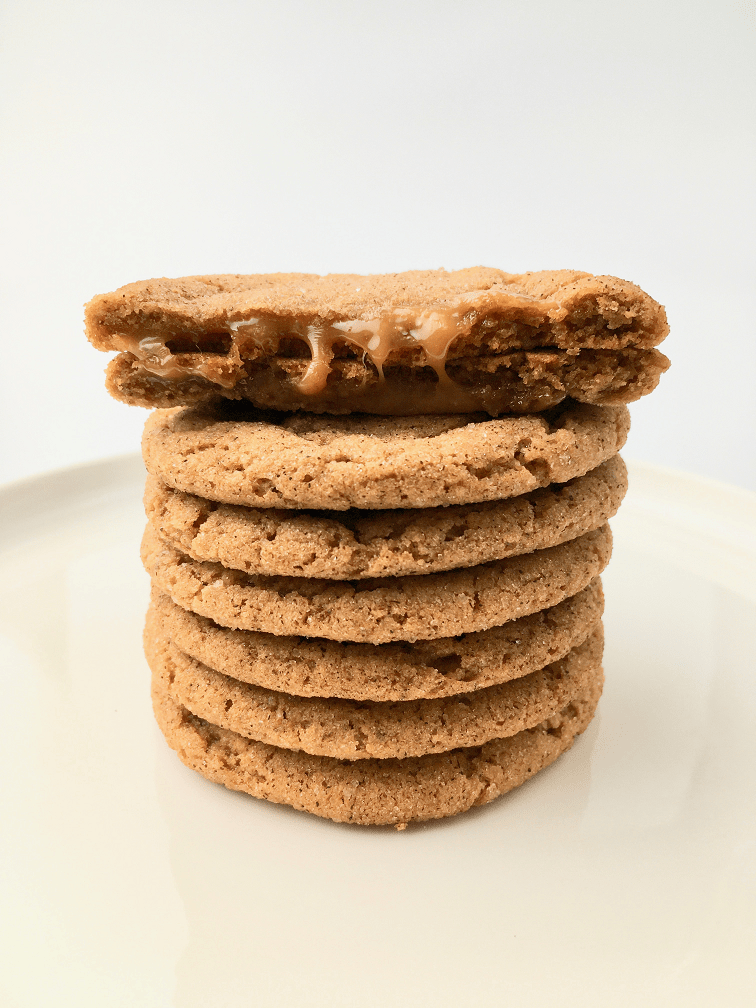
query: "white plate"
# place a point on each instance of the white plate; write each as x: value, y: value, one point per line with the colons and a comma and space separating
x: 620, y: 876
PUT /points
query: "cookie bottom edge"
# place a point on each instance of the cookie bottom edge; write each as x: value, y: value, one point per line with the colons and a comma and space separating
x: 372, y: 791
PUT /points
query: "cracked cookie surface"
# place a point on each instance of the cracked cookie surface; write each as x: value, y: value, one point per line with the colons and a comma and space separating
x: 371, y: 791
x: 349, y: 729
x: 375, y: 611
x: 445, y: 666
x: 236, y: 455
x: 363, y: 544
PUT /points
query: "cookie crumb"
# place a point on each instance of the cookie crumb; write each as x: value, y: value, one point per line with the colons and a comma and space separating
x: 401, y: 826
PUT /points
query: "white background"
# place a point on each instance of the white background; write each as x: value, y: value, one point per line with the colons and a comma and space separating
x: 174, y: 138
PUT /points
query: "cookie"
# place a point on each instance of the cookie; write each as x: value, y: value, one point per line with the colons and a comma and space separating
x: 236, y: 455
x: 353, y: 730
x: 363, y: 544
x: 443, y: 667
x: 378, y: 610
x: 402, y: 344
x: 507, y: 384
x: 372, y: 791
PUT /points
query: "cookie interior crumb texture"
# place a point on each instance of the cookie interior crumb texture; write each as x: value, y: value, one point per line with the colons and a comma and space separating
x: 419, y: 342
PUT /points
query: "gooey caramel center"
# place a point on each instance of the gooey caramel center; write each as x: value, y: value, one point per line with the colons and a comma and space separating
x: 433, y: 330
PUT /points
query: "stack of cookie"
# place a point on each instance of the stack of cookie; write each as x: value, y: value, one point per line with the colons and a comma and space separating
x: 388, y: 615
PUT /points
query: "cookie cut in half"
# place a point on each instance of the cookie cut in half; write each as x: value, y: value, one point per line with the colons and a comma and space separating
x: 425, y: 341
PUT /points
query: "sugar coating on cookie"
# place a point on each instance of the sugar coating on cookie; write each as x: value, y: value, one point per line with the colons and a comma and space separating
x: 353, y: 730
x: 375, y: 611
x: 409, y: 343
x: 235, y: 455
x: 372, y: 791
x: 363, y: 544
x: 446, y: 666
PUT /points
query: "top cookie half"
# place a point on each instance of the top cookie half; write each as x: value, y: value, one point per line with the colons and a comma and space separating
x: 426, y: 341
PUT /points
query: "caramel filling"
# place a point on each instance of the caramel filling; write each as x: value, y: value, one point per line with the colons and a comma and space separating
x: 158, y: 359
x: 433, y: 330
